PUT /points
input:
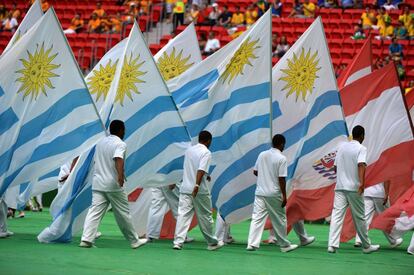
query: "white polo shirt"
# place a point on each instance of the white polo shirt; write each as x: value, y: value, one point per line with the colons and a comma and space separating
x: 212, y: 45
x: 349, y: 155
x: 375, y: 191
x: 197, y: 157
x: 105, y: 176
x: 270, y: 165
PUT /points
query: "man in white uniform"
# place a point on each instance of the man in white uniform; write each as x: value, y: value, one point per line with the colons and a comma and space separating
x: 376, y: 201
x: 195, y: 195
x: 107, y: 188
x: 350, y: 165
x: 4, y: 233
x: 270, y: 197
x: 223, y: 233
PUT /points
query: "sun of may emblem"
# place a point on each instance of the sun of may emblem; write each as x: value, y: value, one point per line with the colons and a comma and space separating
x: 101, y: 80
x: 130, y: 76
x: 240, y: 59
x: 173, y: 65
x: 38, y: 69
x: 300, y: 75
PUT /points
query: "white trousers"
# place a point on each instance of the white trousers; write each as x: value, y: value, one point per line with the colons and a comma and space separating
x: 201, y: 205
x: 342, y: 200
x: 298, y: 227
x: 120, y: 207
x: 222, y: 229
x: 3, y: 216
x: 162, y: 199
x: 264, y: 207
x: 372, y: 206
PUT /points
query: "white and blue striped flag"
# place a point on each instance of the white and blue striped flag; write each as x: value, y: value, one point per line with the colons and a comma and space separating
x: 32, y: 16
x: 155, y: 135
x: 228, y: 94
x: 47, y: 113
x: 307, y: 111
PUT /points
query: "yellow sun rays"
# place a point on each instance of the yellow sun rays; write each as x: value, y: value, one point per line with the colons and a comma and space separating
x: 241, y: 58
x: 101, y: 80
x: 35, y: 76
x: 300, y: 75
x: 173, y: 65
x: 130, y: 76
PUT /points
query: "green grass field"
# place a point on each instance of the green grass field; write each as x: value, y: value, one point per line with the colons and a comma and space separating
x: 22, y: 254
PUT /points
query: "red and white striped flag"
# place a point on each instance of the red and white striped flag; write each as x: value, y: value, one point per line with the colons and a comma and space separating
x: 410, y: 102
x: 360, y: 66
x: 377, y: 103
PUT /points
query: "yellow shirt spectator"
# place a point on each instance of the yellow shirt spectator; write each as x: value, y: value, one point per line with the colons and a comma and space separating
x: 94, y: 24
x: 309, y: 9
x: 381, y: 20
x: 406, y: 18
x: 76, y: 24
x: 387, y: 31
x: 237, y: 18
x: 179, y: 7
x: 367, y: 19
x: 251, y: 17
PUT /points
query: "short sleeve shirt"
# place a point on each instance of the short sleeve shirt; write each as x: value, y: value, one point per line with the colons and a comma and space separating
x: 270, y: 165
x: 105, y: 176
x: 349, y: 155
x: 197, y: 157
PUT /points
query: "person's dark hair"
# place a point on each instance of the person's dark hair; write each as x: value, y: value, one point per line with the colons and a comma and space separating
x: 116, y: 126
x: 278, y: 140
x: 358, y: 132
x: 204, y: 136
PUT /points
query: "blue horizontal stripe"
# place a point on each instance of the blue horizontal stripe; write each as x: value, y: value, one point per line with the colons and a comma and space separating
x: 197, y: 97
x: 248, y: 94
x: 238, y: 201
x: 174, y: 165
x: 64, y: 106
x: 59, y: 145
x: 332, y: 130
x: 149, y: 112
x: 8, y: 118
x: 5, y: 160
x: 244, y: 163
x: 238, y: 130
x: 154, y: 147
x: 52, y: 174
x: 298, y: 131
x: 194, y: 86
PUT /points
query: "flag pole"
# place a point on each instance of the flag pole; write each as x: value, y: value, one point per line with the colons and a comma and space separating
x: 271, y: 80
x: 404, y: 100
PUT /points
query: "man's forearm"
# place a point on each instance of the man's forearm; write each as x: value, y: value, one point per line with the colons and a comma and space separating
x: 119, y: 165
x: 361, y: 174
x: 199, y: 178
x: 282, y: 184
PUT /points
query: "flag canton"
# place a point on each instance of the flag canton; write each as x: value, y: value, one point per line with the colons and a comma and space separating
x: 325, y: 166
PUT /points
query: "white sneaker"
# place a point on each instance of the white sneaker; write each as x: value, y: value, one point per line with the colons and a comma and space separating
x: 84, y: 244
x: 98, y: 235
x: 289, y: 248
x: 397, y: 243
x: 331, y: 249
x: 272, y: 241
x: 177, y: 247
x: 188, y: 240
x: 411, y: 252
x: 251, y: 248
x: 215, y: 247
x: 308, y: 241
x: 6, y: 234
x: 139, y: 243
x: 371, y: 248
x: 357, y: 244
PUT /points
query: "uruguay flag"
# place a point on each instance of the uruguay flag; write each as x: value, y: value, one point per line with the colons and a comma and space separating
x: 307, y: 111
x: 228, y: 94
x: 32, y: 16
x: 155, y: 136
x: 46, y: 110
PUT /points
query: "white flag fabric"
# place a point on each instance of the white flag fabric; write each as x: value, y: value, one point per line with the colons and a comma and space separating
x: 180, y: 53
x: 228, y: 94
x: 47, y: 113
x: 307, y: 111
x: 32, y: 16
x: 155, y: 136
